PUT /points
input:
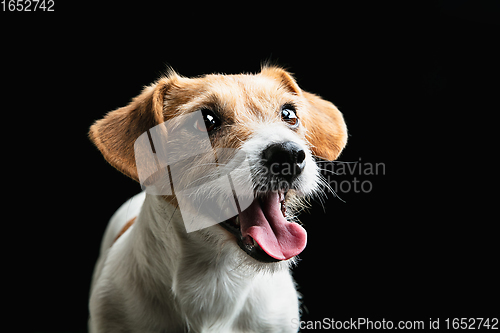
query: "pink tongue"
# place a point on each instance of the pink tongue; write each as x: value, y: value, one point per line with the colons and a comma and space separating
x: 264, y: 222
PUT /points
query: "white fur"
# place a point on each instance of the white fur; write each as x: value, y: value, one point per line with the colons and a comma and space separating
x: 158, y: 278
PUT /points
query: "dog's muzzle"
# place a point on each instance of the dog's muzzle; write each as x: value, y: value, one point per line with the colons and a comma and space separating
x: 262, y: 229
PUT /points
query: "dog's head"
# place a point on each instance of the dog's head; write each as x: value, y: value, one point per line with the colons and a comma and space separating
x: 232, y: 150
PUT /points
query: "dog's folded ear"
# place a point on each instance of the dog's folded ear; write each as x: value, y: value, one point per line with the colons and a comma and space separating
x: 283, y: 77
x: 325, y: 127
x: 326, y: 130
x: 115, y: 134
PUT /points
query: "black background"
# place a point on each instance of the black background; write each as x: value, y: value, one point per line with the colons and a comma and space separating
x: 415, y: 84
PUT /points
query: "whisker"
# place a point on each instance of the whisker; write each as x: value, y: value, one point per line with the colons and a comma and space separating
x: 321, y: 160
x: 325, y: 183
x: 333, y: 172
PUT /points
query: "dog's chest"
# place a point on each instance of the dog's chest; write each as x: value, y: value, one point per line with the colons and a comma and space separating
x: 234, y: 303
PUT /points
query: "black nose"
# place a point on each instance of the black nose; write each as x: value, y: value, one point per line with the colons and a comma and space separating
x: 285, y: 160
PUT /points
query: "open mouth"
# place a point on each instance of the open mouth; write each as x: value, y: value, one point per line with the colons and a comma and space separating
x: 264, y: 233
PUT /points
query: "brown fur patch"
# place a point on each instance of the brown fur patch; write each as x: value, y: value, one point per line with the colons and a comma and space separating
x: 125, y: 228
x: 326, y: 129
x: 283, y: 77
x: 116, y: 133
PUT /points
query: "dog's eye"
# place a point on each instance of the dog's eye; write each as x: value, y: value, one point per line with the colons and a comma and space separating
x: 288, y: 114
x: 210, y: 121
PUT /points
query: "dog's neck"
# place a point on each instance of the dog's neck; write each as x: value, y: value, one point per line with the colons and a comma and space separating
x: 185, y: 267
x: 155, y: 241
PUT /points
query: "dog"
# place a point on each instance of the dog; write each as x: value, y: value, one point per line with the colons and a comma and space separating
x: 236, y: 156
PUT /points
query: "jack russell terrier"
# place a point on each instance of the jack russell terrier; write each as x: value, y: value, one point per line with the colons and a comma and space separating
x: 226, y: 163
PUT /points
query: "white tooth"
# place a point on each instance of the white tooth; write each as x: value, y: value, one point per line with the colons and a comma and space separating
x: 255, y: 243
x: 237, y: 220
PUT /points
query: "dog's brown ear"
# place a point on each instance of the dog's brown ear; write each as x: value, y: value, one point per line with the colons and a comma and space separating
x: 116, y: 133
x: 283, y: 77
x: 325, y: 127
x: 326, y: 130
